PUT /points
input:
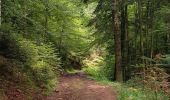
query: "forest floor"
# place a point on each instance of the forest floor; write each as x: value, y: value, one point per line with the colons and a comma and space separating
x: 75, y: 86
x: 79, y: 87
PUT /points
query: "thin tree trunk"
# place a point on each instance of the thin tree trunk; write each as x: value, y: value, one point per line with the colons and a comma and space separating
x: 140, y: 27
x: 46, y: 19
x: 135, y: 55
x: 168, y: 43
x: 0, y: 13
x: 117, y: 40
x: 61, y: 40
x: 124, y: 35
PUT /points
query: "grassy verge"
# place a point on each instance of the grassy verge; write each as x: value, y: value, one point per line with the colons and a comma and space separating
x: 125, y: 92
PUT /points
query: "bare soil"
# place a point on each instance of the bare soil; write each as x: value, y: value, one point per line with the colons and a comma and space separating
x: 70, y: 87
x: 79, y: 87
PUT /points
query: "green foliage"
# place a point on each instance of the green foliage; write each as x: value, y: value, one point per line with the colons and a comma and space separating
x: 101, y: 68
x: 144, y: 30
x: 35, y: 34
x: 38, y: 33
x: 130, y: 93
x: 39, y: 61
x: 92, y: 71
x: 108, y: 68
x: 130, y: 90
x: 152, y: 77
x: 61, y: 23
x: 166, y: 60
x: 92, y: 66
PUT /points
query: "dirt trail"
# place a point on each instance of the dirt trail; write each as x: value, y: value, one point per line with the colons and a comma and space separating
x: 78, y: 87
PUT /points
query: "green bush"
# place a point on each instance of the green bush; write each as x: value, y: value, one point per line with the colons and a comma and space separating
x: 39, y: 60
x: 108, y: 67
x: 101, y: 68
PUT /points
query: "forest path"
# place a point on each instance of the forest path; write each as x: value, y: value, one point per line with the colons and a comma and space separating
x: 79, y: 87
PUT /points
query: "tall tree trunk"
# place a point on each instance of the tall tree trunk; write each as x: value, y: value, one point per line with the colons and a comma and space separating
x: 117, y: 39
x: 135, y: 55
x: 168, y: 43
x: 46, y: 18
x: 140, y: 27
x: 124, y: 37
x: 0, y: 13
x: 61, y: 40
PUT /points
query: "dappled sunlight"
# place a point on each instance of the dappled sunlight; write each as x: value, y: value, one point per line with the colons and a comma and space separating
x: 84, y: 50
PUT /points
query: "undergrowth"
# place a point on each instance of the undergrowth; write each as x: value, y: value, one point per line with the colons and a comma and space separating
x: 101, y: 68
x: 29, y: 63
x: 125, y: 91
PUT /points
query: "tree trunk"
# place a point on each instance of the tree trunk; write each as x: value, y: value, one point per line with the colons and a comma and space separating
x: 124, y: 38
x: 46, y: 18
x: 0, y: 12
x: 117, y: 39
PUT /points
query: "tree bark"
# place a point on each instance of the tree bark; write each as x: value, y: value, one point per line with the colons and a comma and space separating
x: 0, y: 12
x: 46, y: 10
x: 117, y: 39
x: 124, y: 38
